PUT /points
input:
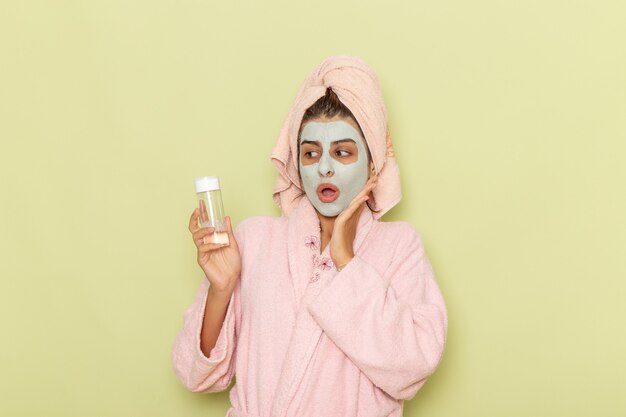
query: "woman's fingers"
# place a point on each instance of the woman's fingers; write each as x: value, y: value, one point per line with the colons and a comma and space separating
x: 193, y: 221
x: 199, y: 234
x: 229, y: 228
x: 208, y: 247
x: 360, y: 198
x: 369, y: 185
x: 204, y: 215
x: 353, y: 207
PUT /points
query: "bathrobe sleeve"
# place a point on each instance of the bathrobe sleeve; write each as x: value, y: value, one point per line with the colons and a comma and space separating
x: 393, y: 326
x: 214, y: 373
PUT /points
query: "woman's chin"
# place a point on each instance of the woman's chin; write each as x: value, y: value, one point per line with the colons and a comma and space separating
x: 325, y: 216
x: 326, y: 212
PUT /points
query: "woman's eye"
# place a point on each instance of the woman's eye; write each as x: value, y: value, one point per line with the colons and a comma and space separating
x: 309, y: 154
x: 346, y: 153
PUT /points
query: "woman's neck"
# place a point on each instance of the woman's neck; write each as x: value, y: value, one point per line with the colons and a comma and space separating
x: 326, y: 229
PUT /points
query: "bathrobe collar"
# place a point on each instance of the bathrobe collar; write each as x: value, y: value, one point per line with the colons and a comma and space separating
x: 306, y: 264
x: 310, y: 272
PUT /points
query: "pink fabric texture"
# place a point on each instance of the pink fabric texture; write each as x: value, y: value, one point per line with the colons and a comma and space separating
x: 304, y: 339
x: 357, y: 87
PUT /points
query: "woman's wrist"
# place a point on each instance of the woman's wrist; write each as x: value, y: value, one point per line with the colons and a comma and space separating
x: 222, y: 296
x: 344, y: 263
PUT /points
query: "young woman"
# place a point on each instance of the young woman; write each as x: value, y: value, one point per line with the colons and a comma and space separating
x: 326, y: 310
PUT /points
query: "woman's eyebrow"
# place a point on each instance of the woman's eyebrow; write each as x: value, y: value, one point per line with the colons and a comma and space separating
x: 344, y: 140
x: 304, y: 142
x: 333, y: 143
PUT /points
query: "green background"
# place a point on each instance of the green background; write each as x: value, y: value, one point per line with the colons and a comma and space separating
x: 508, y: 121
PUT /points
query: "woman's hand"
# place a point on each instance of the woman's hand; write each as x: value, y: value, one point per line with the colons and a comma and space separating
x: 344, y: 229
x: 221, y: 264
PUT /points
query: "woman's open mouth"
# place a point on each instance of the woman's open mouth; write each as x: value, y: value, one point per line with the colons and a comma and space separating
x: 327, y: 193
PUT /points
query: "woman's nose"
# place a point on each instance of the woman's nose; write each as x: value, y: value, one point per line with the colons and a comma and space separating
x: 325, y: 167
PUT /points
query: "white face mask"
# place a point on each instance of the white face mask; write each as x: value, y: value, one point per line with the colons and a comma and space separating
x: 348, y: 179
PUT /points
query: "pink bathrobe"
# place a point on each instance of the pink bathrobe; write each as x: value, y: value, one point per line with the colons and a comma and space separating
x: 306, y: 340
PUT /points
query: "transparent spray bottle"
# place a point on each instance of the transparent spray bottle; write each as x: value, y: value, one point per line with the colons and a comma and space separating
x: 212, y: 209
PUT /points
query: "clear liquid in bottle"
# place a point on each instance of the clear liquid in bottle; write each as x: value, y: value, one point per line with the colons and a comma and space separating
x: 212, y: 209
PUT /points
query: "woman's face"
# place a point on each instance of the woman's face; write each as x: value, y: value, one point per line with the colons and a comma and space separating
x: 333, y: 163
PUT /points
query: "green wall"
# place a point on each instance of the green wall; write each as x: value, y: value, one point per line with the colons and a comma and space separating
x: 508, y: 121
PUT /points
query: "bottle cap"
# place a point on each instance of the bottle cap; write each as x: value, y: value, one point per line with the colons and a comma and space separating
x: 204, y: 184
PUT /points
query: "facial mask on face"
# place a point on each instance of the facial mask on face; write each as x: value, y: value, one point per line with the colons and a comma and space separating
x: 349, y: 179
